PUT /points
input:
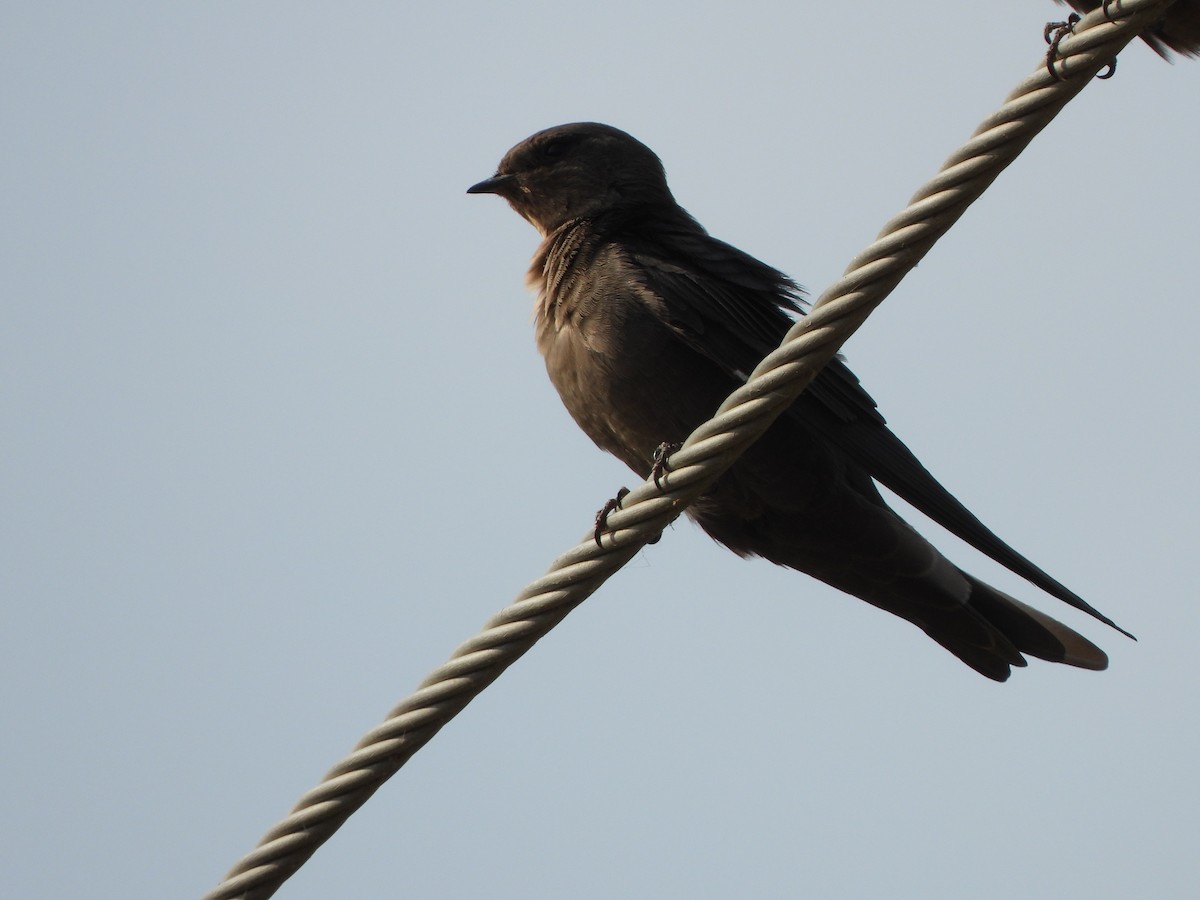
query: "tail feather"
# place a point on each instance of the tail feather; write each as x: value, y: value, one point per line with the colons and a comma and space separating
x: 1016, y: 629
x: 1034, y: 632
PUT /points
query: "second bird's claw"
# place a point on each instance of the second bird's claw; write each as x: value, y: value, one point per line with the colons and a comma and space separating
x: 662, y: 461
x: 602, y: 515
x: 1112, y: 66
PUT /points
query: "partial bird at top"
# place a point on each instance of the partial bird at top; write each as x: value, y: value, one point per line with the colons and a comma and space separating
x: 1178, y: 30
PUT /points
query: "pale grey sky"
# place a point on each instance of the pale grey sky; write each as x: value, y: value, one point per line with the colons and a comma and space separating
x: 276, y: 440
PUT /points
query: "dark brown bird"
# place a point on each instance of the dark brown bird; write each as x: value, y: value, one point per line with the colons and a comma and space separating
x: 1178, y: 30
x: 647, y: 323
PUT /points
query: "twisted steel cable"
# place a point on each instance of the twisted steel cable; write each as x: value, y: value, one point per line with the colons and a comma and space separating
x: 706, y: 454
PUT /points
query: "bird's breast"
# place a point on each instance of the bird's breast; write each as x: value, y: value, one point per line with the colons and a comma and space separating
x: 626, y: 379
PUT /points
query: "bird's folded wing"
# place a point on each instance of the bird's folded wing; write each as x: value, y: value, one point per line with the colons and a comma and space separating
x: 734, y: 310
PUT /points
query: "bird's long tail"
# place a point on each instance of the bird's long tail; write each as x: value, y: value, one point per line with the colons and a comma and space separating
x: 1014, y: 629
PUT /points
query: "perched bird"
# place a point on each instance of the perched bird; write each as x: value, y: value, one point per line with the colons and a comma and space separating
x: 1178, y: 30
x: 647, y: 323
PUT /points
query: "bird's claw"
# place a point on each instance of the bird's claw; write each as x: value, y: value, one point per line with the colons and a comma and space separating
x: 662, y: 461
x: 1054, y: 34
x: 602, y: 515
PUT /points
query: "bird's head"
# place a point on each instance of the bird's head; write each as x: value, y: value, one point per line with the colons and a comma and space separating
x: 576, y: 171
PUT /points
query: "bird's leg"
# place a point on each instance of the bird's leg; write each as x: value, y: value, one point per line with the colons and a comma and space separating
x: 1053, y: 35
x: 662, y: 461
x: 602, y: 515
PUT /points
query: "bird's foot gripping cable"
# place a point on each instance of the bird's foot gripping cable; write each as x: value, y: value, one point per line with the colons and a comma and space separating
x: 602, y: 513
x: 1054, y: 34
x: 662, y: 461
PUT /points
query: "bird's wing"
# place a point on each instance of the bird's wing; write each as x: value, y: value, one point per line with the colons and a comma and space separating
x: 734, y: 310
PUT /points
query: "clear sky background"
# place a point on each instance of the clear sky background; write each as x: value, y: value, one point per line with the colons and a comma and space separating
x: 276, y: 439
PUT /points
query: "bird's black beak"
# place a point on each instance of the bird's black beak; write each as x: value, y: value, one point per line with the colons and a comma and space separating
x: 494, y: 185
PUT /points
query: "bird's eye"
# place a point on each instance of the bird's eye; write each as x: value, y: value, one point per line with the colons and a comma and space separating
x: 554, y: 149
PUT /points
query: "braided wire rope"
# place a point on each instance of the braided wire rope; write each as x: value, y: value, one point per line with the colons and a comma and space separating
x: 706, y: 454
